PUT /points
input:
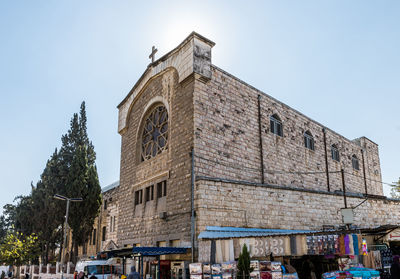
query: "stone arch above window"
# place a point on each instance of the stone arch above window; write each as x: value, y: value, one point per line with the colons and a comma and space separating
x: 155, y: 132
x: 309, y: 140
x: 354, y: 162
x: 276, y: 125
x: 335, y: 152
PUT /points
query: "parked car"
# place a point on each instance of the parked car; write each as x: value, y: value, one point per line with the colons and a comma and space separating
x: 99, y: 268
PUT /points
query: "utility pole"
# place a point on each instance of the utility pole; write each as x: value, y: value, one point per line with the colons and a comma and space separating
x: 59, y: 197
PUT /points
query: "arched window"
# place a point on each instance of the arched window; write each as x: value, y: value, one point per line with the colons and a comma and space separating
x: 335, y: 153
x: 276, y: 125
x: 155, y: 132
x: 308, y: 140
x: 354, y: 162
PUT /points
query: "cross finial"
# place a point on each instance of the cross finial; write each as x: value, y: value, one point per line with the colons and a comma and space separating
x: 153, y: 53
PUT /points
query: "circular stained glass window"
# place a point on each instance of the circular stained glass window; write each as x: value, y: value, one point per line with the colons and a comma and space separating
x: 155, y: 133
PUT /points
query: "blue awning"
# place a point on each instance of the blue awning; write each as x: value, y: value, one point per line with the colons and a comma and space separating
x: 157, y: 251
x: 213, y: 232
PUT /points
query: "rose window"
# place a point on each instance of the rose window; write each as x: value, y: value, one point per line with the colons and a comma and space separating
x: 155, y: 133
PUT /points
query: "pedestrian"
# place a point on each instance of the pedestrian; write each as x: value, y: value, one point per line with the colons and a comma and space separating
x: 395, y: 268
x: 134, y: 274
x: 75, y: 274
x: 81, y: 275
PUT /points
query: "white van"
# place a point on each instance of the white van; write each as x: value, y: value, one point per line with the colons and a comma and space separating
x: 99, y: 268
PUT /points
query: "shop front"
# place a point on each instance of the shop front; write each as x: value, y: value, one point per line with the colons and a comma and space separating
x: 321, y: 251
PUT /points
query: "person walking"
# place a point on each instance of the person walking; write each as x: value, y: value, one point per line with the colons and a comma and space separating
x: 134, y: 274
x: 395, y: 268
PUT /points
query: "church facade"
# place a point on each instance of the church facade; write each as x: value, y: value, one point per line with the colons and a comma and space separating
x: 200, y: 147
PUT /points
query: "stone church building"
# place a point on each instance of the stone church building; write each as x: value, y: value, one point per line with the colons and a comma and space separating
x: 201, y: 149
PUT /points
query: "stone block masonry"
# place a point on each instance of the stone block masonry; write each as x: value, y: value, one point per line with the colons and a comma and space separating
x: 216, y: 114
x: 227, y: 141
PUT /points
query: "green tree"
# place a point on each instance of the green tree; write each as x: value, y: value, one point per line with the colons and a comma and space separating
x: 80, y: 179
x: 395, y: 191
x: 3, y: 228
x: 49, y: 215
x: 243, y: 265
x: 18, y: 249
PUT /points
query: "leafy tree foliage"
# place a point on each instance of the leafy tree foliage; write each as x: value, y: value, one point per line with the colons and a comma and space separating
x: 395, y: 191
x: 80, y: 178
x: 18, y: 249
x: 243, y: 265
x: 70, y: 172
x: 3, y: 228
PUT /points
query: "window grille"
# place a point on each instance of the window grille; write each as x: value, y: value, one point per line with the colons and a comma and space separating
x: 308, y: 140
x: 354, y: 162
x: 276, y: 125
x: 155, y: 133
x: 335, y: 153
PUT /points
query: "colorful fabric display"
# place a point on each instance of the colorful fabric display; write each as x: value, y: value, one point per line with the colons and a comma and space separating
x: 276, y: 275
x: 195, y: 268
x: 337, y: 245
x: 266, y: 275
x: 359, y: 244
x: 342, y: 249
x: 355, y: 244
x: 347, y: 244
x: 255, y: 265
x: 364, y: 247
x: 255, y: 275
x: 351, y: 246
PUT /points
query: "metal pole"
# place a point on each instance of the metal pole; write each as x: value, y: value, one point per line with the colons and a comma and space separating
x: 192, y: 218
x: 344, y: 189
x: 326, y: 161
x: 261, y: 143
x: 365, y: 178
x: 65, y: 239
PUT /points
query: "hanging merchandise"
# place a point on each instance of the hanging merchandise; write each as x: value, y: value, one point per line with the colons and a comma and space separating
x: 355, y: 244
x: 386, y: 258
x: 364, y: 247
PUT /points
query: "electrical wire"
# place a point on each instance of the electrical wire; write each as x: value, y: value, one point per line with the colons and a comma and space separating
x: 284, y: 172
x: 258, y: 169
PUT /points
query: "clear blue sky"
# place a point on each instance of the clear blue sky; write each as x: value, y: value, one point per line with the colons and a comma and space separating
x: 336, y: 61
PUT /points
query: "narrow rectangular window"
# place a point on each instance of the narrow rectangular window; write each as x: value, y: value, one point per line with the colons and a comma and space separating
x: 149, y: 194
x: 138, y: 197
x: 104, y: 233
x: 272, y: 125
x: 94, y: 237
x: 161, y: 189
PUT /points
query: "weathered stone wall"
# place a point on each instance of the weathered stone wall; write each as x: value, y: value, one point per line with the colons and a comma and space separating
x: 227, y: 141
x: 142, y: 224
x: 227, y: 204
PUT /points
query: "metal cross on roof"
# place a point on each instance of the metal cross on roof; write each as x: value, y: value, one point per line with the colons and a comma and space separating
x: 153, y: 53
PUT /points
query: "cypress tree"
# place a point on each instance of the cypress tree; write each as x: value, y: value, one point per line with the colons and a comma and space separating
x: 243, y: 265
x: 80, y: 179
